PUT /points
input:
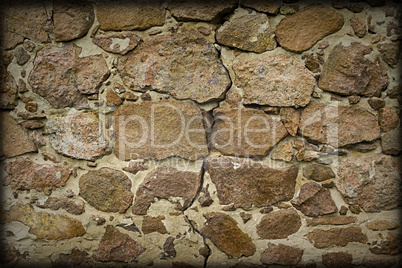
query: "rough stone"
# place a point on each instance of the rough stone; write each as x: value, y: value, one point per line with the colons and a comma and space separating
x: 281, y: 254
x: 167, y: 183
x: 262, y: 78
x: 116, y: 246
x: 98, y: 219
x: 10, y: 253
x: 32, y: 124
x: 284, y: 152
x: 8, y: 86
x: 359, y: 179
x: 338, y: 126
x: 227, y: 236
x: 153, y: 224
x: 62, y: 77
x: 339, y: 237
x: 76, y: 258
x: 381, y: 225
x: 358, y: 26
x: 335, y: 220
x: 376, y: 103
x: 391, y: 142
x: 355, y: 209
x: 31, y: 106
x: 135, y: 166
x: 337, y: 259
x: 64, y: 203
x: 246, y: 217
x: 354, y: 99
x: 302, y: 30
x: 129, y: 96
x: 205, y: 199
x: 250, y: 32
x: 314, y: 200
x: 112, y: 99
x: 389, y: 52
x: 168, y: 247
x: 106, y: 189
x: 279, y: 224
x: 21, y: 56
x: 318, y: 172
x: 185, y: 65
x: 374, y: 261
x: 119, y: 43
x: 355, y: 8
x: 270, y: 7
x: 391, y: 245
x: 157, y: 130
x: 245, y: 132
x: 290, y: 118
x: 343, y: 210
x: 245, y: 183
x: 348, y: 72
x: 388, y: 118
x: 71, y: 19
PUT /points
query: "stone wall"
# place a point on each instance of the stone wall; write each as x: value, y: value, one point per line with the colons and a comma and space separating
x: 201, y: 134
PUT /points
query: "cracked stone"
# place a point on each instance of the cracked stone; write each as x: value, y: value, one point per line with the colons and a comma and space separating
x: 389, y: 53
x: 279, y: 224
x: 339, y: 237
x: 281, y: 254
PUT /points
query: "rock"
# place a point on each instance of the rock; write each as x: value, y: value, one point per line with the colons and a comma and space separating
x: 281, y: 254
x: 14, y: 139
x: 71, y: 19
x: 205, y: 200
x: 145, y: 96
x: 391, y: 142
x: 318, y: 172
x: 358, y: 26
x: 32, y: 124
x: 98, y: 220
x: 388, y: 118
x: 339, y: 237
x: 106, y: 189
x: 359, y: 179
x: 266, y: 210
x: 130, y: 15
x: 348, y: 72
x: 283, y: 152
x: 116, y: 246
x: 167, y: 183
x: 337, y: 259
x: 119, y: 43
x: 245, y: 183
x: 250, y: 32
x: 204, y: 30
x: 290, y: 118
x: 391, y: 245
x: 314, y: 200
x: 354, y: 99
x: 157, y: 130
x: 389, y: 53
x: 355, y: 209
x: 62, y: 77
x: 112, y: 99
x: 153, y: 224
x: 204, y: 10
x: 302, y: 30
x: 376, y: 103
x: 130, y: 96
x: 246, y: 217
x: 135, y: 166
x: 279, y: 224
x: 270, y: 7
x: 77, y: 135
x: 168, y: 247
x: 355, y: 8
x: 21, y: 55
x: 381, y: 225
x: 262, y: 78
x: 335, y: 220
x: 64, y: 203
x: 194, y: 68
x: 10, y: 253
x: 8, y: 86
x: 44, y: 225
x: 227, y: 236
x: 338, y: 126
x: 76, y: 258
x: 373, y: 261
x: 31, y: 106
x: 343, y: 210
x: 245, y: 132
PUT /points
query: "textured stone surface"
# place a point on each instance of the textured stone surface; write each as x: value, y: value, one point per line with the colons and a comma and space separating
x: 135, y: 166
x: 388, y: 118
x: 167, y: 183
x: 360, y: 179
x: 338, y: 126
x: 106, y: 189
x: 318, y: 172
x: 278, y: 80
x: 71, y: 19
x: 77, y: 258
x: 279, y: 224
x: 62, y: 77
x: 358, y: 26
x: 290, y: 118
x: 391, y: 142
x: 339, y: 237
x: 120, y: 43
x: 271, y: 7
x: 63, y: 203
x: 78, y: 135
x: 391, y: 244
x: 281, y: 254
x: 245, y: 132
x: 250, y: 32
x: 168, y: 247
x: 157, y: 130
x: 116, y: 246
x: 227, y: 236
x: 337, y: 259
x: 376, y: 103
x: 302, y: 30
x: 348, y: 72
x: 8, y: 86
x: 381, y: 225
x: 335, y: 220
x: 21, y: 56
x: 244, y: 182
x: 112, y: 99
x: 374, y: 261
x: 153, y: 224
x: 185, y: 65
x: 389, y: 52
x: 283, y: 152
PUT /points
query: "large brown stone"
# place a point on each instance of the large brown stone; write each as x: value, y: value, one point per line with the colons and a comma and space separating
x: 116, y: 246
x: 381, y: 225
x: 388, y: 118
x: 339, y: 237
x: 13, y: 137
x: 62, y: 77
x: 185, y: 65
x: 107, y: 189
x: 245, y: 183
x: 227, y: 236
x: 157, y: 130
x: 337, y: 259
x: 278, y: 80
x: 120, y: 43
x: 245, y: 132
x: 129, y: 15
x: 314, y: 200
x: 8, y: 86
x: 348, y: 72
x: 335, y: 220
x: 279, y: 224
x: 318, y: 172
x: 391, y: 244
x: 64, y: 203
x: 338, y: 126
x: 361, y: 179
x: 302, y: 30
x: 167, y: 183
x: 281, y: 254
x: 153, y: 224
x: 271, y: 7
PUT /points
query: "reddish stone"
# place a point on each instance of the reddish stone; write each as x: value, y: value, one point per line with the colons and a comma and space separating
x: 153, y: 224
x: 388, y: 118
x: 63, y: 203
x: 120, y: 43
x: 135, y: 166
x: 337, y: 259
x: 279, y: 224
x: 281, y: 254
x: 339, y: 237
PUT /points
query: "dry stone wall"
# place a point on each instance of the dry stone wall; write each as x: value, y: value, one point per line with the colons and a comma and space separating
x: 200, y: 133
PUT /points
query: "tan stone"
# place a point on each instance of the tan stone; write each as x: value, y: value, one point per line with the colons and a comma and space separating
x: 279, y: 224
x: 8, y: 86
x: 358, y: 26
x: 381, y: 225
x: 374, y: 261
x: 153, y: 224
x: 284, y: 152
x: 339, y: 237
x: 281, y: 254
x: 334, y: 220
x: 337, y: 259
x: 388, y: 118
x: 271, y: 7
x: 318, y: 172
x: 290, y: 118
x: 389, y: 52
x: 110, y: 42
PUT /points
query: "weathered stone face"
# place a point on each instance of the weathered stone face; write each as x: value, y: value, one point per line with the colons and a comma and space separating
x: 283, y: 152
x: 8, y: 89
x: 290, y: 118
x: 76, y: 258
x: 107, y: 189
x: 227, y: 236
x: 337, y: 259
x: 153, y: 224
x: 302, y: 30
x: 339, y: 237
x: 381, y: 225
x: 78, y: 135
x: 318, y: 172
x: 62, y: 77
x: 390, y: 245
x: 360, y: 179
x: 348, y: 72
x: 167, y: 183
x: 281, y: 254
x: 278, y: 80
x: 388, y: 118
x: 358, y: 26
x: 120, y: 43
x: 389, y: 52
x: 185, y: 65
x: 373, y: 261
x: 335, y: 220
x: 391, y: 142
x: 244, y: 182
x: 279, y: 224
x: 63, y: 203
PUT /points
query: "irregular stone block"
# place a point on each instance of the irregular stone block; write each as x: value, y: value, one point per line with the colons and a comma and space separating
x: 284, y: 152
x: 271, y: 7
x: 337, y: 259
x: 391, y: 142
x: 119, y: 43
x: 279, y: 224
x: 358, y: 26
x: 153, y: 224
x: 389, y: 52
x: 64, y: 203
x: 374, y: 261
x: 388, y: 118
x: 339, y: 237
x: 290, y: 118
x: 281, y: 254
x: 77, y: 258
x: 318, y: 172
x: 335, y: 220
x: 381, y: 225
x: 391, y: 245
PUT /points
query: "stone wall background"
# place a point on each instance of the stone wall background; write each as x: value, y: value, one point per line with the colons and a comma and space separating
x: 320, y: 188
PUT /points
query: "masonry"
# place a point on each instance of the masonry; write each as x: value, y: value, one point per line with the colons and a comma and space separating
x: 201, y: 134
